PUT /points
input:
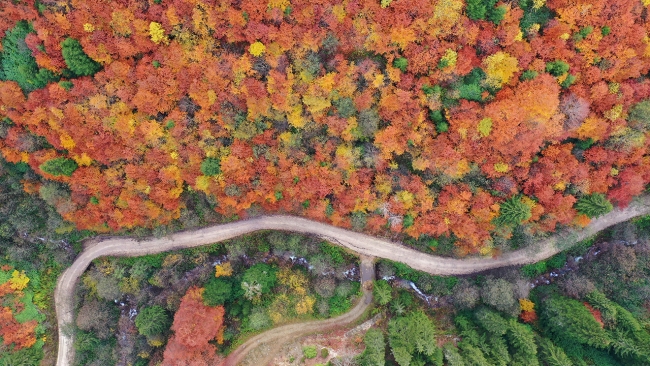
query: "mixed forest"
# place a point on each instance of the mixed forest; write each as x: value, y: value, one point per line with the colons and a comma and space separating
x: 428, y: 118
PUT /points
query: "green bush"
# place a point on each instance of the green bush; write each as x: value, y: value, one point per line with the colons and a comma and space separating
x: 594, y: 205
x: 513, y: 212
x: 59, y: 166
x: 605, y: 30
x: 77, y: 60
x: 17, y: 62
x: 152, y: 321
x: 309, y: 351
x: 217, y: 291
x: 534, y: 269
x: 324, y: 352
x: 211, y: 166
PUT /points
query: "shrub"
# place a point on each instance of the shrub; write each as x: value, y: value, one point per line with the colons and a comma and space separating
x: 594, y: 205
x: 309, y: 351
x: 211, y: 166
x: 77, y: 60
x: 152, y: 321
x: 324, y: 353
x: 59, y: 166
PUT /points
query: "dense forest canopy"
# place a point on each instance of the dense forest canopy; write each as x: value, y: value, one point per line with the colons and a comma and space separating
x: 428, y: 117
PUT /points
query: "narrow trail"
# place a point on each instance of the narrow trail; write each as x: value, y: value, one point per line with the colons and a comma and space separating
x: 360, y: 243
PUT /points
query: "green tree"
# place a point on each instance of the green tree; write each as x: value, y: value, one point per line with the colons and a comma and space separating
x: 410, y: 335
x: 59, y: 166
x: 552, y: 354
x: 557, y: 67
x: 375, y: 344
x: 152, y: 321
x: 262, y: 274
x: 491, y: 321
x: 382, y: 292
x: 570, y: 319
x: 211, y: 166
x: 77, y: 60
x: 522, y: 338
x: 401, y: 63
x: 594, y: 205
x: 452, y: 356
x: 17, y: 62
x: 512, y: 212
x: 498, y: 293
x: 217, y: 291
x: 639, y: 115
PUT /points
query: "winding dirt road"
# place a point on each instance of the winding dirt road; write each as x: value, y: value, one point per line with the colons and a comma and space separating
x: 360, y: 243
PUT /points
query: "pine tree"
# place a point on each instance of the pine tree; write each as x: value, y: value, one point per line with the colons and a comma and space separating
x: 513, y: 211
x: 77, y: 60
x: 552, y: 354
x: 152, y: 321
x: 594, y: 205
x: 491, y: 321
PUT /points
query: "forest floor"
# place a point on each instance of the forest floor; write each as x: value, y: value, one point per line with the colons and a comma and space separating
x: 362, y: 244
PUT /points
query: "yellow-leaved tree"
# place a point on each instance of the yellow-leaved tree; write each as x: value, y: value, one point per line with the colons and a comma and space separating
x: 499, y: 68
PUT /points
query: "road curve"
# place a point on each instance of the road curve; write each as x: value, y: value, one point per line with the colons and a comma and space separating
x: 360, y: 243
x: 277, y: 337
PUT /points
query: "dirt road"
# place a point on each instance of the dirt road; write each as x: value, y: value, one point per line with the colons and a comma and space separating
x: 360, y: 243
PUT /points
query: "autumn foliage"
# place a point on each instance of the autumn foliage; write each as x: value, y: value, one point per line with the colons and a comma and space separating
x: 411, y: 116
x: 195, y: 324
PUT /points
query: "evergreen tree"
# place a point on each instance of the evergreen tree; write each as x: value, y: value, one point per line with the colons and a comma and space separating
x: 77, y: 60
x: 17, y: 62
x: 594, y: 205
x: 411, y: 335
x: 452, y: 356
x: 522, y: 339
x: 382, y: 292
x: 491, y: 321
x: 513, y: 211
x: 552, y: 354
x: 152, y: 321
x: 373, y: 355
x: 570, y: 319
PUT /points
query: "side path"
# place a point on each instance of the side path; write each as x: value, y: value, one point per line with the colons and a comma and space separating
x: 275, y: 338
x: 360, y: 243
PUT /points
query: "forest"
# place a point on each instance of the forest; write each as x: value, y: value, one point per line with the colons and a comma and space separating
x: 418, y: 118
